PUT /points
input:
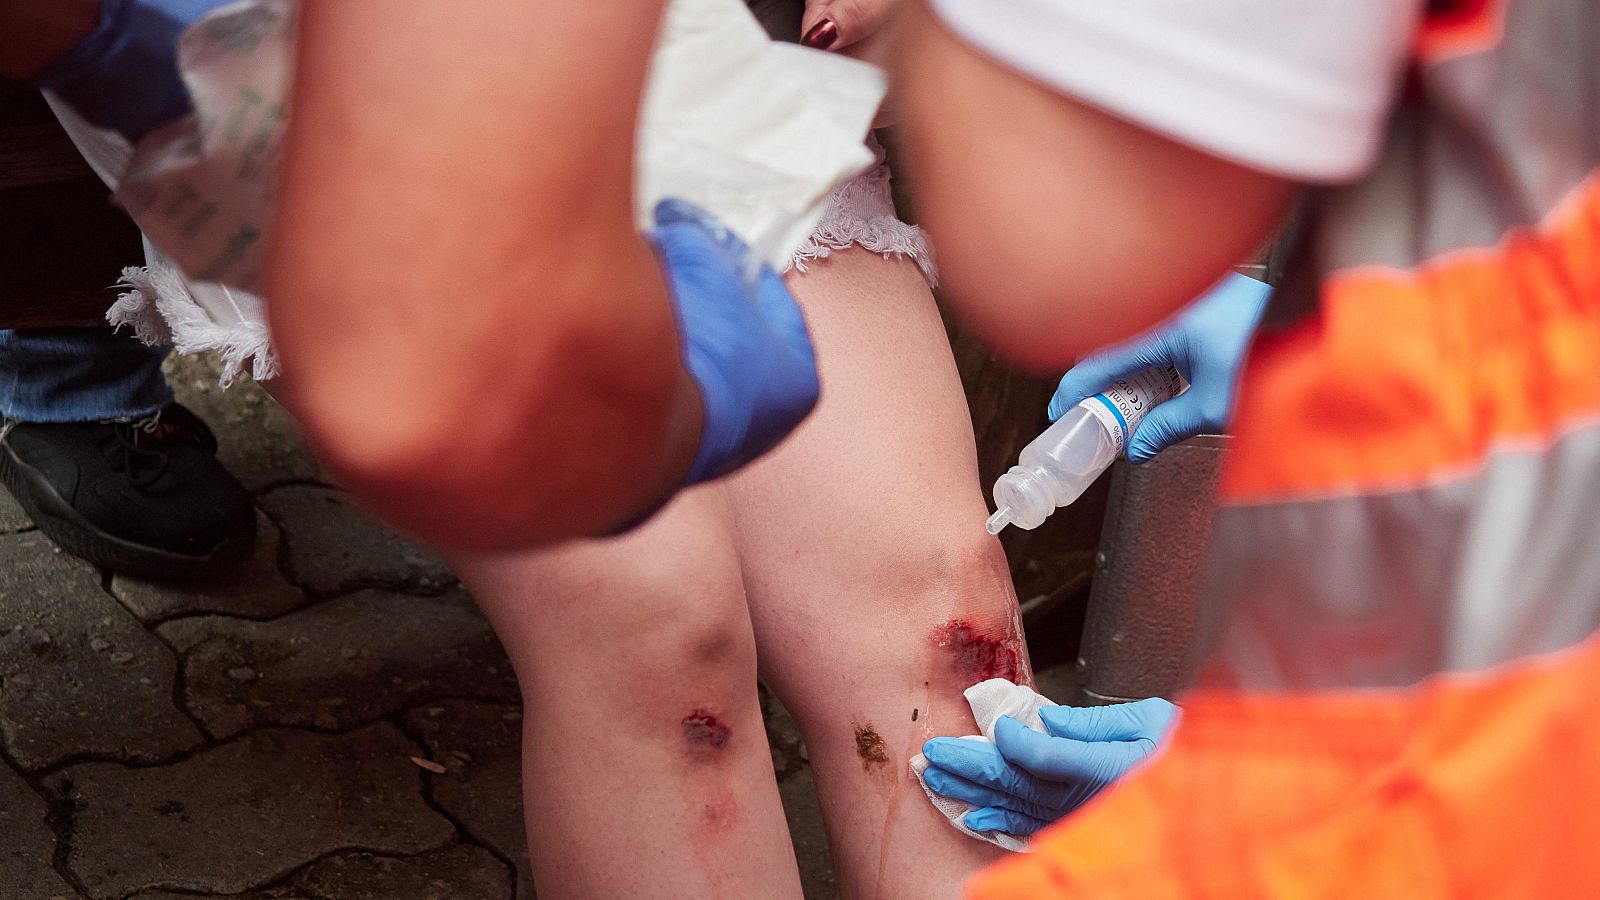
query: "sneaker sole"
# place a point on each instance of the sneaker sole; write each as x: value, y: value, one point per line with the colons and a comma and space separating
x: 78, y: 536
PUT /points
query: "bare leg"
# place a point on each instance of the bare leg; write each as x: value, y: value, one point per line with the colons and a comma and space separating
x: 877, y: 596
x: 646, y: 771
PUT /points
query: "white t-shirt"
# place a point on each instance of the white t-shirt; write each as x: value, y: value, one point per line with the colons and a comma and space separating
x: 1297, y: 89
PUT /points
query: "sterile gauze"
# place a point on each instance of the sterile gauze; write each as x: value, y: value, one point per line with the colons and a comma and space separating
x: 1060, y: 464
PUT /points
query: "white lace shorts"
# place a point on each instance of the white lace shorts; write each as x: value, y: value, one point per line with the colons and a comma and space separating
x: 861, y: 212
x: 164, y: 308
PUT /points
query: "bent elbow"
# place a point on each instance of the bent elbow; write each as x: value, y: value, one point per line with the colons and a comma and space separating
x: 465, y: 455
x: 478, y: 423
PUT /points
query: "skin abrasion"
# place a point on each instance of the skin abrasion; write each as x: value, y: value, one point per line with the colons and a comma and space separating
x: 870, y: 747
x: 976, y: 655
x: 719, y: 814
x: 704, y: 733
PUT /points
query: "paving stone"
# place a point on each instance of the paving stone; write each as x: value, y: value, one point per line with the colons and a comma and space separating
x: 279, y: 892
x: 256, y: 438
x: 59, y: 695
x: 455, y: 872
x: 783, y: 735
x: 334, y: 547
x: 234, y: 817
x: 26, y: 844
x: 337, y: 664
x: 12, y: 518
x: 799, y: 793
x: 451, y: 873
x: 253, y: 588
x: 268, y: 894
x: 480, y: 746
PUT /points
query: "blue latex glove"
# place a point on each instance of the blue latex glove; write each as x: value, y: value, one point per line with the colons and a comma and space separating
x: 1026, y: 780
x: 124, y: 74
x: 744, y: 340
x: 1206, y: 342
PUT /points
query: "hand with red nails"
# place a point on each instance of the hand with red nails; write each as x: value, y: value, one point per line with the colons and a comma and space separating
x: 854, y: 28
x: 838, y: 24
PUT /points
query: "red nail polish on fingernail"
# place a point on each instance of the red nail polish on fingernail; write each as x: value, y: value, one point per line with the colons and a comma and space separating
x: 822, y: 35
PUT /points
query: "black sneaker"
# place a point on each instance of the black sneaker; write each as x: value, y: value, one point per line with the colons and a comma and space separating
x: 145, y: 498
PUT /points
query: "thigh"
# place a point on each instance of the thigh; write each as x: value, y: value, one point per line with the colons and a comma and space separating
x: 877, y: 595
x: 871, y: 515
x: 671, y: 587
x: 651, y: 625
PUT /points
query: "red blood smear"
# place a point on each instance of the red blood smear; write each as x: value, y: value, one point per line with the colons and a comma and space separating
x: 701, y: 729
x: 978, y: 656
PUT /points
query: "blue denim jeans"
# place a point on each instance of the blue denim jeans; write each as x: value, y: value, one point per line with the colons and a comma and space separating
x: 79, y: 375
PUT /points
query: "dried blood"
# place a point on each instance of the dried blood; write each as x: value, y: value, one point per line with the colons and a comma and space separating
x: 870, y: 746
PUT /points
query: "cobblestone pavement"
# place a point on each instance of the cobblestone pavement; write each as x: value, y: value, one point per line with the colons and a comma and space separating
x: 261, y: 736
x: 333, y: 720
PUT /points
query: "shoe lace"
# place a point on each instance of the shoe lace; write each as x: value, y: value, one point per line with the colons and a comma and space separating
x: 137, y: 449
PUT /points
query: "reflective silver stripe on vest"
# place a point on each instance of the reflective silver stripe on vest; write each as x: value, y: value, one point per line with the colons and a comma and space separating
x: 1383, y: 590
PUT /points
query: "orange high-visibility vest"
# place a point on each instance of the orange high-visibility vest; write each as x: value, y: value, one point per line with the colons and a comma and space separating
x: 1401, y: 688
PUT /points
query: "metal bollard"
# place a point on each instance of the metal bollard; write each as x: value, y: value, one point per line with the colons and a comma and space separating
x: 1139, y: 633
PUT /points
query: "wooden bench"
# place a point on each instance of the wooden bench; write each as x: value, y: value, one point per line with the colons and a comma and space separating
x: 62, y: 242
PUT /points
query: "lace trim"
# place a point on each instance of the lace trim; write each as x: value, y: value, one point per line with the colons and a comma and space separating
x: 861, y: 212
x: 160, y: 309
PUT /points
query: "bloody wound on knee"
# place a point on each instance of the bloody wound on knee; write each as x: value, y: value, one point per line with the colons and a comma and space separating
x: 702, y: 731
x: 978, y: 657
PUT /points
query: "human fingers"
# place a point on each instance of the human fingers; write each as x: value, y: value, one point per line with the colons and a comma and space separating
x: 836, y: 24
x: 948, y: 784
x: 1147, y: 718
x: 1009, y: 821
x: 1077, y: 768
x: 1097, y: 371
x: 1168, y: 423
x: 985, y: 765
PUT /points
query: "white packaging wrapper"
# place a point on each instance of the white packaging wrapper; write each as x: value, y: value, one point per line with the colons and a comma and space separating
x: 755, y: 132
x: 989, y: 701
x: 202, y: 188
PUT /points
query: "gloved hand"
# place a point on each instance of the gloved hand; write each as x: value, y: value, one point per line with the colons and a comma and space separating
x: 1026, y: 780
x: 744, y: 340
x: 124, y: 74
x: 1206, y: 342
